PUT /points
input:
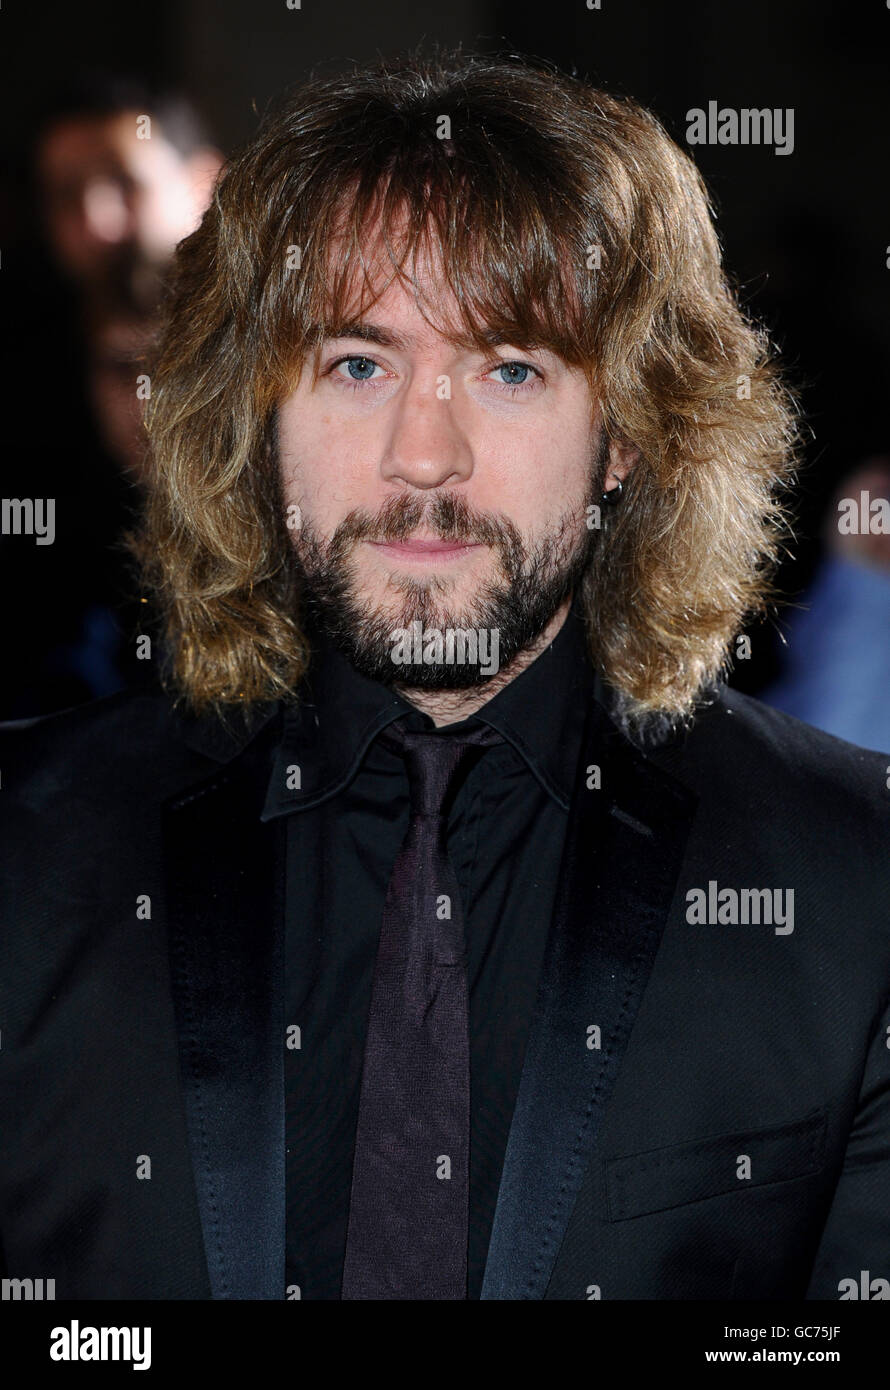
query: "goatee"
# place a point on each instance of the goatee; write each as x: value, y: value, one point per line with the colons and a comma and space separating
x: 529, y: 584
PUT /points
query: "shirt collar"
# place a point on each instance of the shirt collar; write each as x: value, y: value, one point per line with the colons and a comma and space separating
x: 540, y: 713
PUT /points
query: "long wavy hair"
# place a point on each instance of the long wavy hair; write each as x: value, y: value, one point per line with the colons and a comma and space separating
x: 565, y: 218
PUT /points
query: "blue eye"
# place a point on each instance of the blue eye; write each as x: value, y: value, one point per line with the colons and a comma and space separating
x: 517, y: 373
x: 360, y: 368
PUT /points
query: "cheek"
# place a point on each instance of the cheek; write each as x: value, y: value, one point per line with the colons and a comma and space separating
x: 538, y: 474
x: 326, y: 483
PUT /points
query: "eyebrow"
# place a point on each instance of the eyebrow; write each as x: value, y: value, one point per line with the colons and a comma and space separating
x: 367, y: 333
x: 387, y: 337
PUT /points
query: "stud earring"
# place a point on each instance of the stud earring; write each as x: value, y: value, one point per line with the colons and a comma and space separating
x: 613, y: 496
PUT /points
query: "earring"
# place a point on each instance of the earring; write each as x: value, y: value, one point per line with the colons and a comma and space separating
x: 613, y: 496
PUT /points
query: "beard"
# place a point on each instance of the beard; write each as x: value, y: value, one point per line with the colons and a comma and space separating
x: 530, y: 581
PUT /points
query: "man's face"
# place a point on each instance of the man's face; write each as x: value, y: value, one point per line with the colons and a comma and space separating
x: 113, y: 199
x: 434, y: 483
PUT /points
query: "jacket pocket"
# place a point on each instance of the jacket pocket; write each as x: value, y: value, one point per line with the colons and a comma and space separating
x: 670, y: 1177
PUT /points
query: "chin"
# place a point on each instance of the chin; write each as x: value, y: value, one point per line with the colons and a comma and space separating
x: 439, y: 678
x: 434, y: 600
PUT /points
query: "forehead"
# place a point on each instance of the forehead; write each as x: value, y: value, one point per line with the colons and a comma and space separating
x: 391, y: 280
x: 404, y: 289
x: 404, y: 317
x: 82, y: 148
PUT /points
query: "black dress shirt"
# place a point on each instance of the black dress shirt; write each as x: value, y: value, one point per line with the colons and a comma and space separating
x: 346, y: 798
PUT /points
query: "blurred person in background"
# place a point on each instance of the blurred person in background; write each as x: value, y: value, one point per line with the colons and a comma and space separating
x: 123, y: 175
x: 836, y: 664
x: 119, y: 173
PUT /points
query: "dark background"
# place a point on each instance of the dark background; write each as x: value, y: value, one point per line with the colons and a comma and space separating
x: 805, y: 235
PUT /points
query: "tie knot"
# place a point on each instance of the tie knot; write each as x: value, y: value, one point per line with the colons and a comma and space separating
x: 435, y: 762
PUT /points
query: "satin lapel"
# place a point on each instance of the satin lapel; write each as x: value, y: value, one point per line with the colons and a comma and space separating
x: 624, y: 847
x: 226, y: 907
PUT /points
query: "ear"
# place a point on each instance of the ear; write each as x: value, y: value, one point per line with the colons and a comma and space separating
x: 622, y: 458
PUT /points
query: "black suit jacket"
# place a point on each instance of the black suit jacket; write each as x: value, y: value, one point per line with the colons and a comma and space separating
x: 704, y: 1110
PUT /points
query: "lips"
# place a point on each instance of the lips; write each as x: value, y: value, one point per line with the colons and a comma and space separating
x: 422, y: 548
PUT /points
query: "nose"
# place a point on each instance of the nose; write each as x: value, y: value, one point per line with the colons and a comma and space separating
x: 105, y: 211
x: 426, y: 448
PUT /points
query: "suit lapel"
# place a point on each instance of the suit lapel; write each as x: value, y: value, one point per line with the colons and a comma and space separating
x: 624, y: 847
x: 225, y: 904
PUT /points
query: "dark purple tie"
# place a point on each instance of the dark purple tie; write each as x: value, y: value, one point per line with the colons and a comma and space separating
x: 408, y: 1212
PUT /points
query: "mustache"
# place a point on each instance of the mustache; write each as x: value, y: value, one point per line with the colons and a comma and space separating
x: 447, y: 517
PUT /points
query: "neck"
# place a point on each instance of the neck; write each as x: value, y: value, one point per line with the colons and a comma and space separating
x: 450, y: 706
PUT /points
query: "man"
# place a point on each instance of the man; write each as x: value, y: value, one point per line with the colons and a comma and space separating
x: 450, y: 930
x: 120, y: 173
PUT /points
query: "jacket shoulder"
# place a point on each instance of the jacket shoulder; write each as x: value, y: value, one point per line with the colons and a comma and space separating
x: 101, y: 749
x: 764, y: 758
